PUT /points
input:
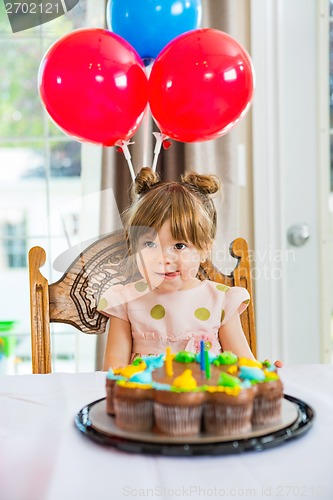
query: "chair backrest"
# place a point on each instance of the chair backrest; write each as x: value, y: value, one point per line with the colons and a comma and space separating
x: 73, y: 299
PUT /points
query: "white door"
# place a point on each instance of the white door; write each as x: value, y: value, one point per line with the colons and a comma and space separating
x: 291, y: 181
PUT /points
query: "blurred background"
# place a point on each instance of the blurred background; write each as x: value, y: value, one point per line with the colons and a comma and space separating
x: 276, y: 166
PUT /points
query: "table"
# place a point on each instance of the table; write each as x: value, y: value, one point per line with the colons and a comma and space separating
x: 44, y: 457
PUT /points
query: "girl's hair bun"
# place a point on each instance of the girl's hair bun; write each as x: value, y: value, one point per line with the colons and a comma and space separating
x: 144, y: 180
x: 205, y: 184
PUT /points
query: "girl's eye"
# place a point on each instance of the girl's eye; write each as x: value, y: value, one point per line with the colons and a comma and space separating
x: 150, y: 244
x: 180, y: 246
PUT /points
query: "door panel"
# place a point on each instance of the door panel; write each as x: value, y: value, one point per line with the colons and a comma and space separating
x: 287, y: 179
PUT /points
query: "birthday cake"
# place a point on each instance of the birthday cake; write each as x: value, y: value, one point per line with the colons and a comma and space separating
x: 187, y: 393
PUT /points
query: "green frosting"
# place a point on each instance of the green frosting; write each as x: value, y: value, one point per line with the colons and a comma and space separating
x: 228, y: 380
x: 184, y: 357
x: 267, y: 363
x: 225, y: 358
x: 137, y: 361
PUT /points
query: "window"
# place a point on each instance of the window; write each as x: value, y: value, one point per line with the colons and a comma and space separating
x: 40, y: 183
x: 15, y: 243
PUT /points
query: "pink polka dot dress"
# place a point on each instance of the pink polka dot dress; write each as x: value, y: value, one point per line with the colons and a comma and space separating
x: 179, y: 319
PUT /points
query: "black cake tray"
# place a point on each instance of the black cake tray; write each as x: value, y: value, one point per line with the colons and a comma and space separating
x: 93, y: 421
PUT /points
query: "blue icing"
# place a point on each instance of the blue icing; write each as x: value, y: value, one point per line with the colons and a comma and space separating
x: 251, y: 373
x: 161, y: 387
x: 153, y: 361
x: 211, y: 357
x: 143, y: 377
x: 246, y: 384
x: 271, y: 368
x: 111, y: 376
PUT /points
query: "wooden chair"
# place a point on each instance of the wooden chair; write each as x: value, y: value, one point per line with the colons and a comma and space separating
x: 73, y: 299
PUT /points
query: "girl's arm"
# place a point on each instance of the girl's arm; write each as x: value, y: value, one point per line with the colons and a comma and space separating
x: 232, y: 338
x: 118, y: 345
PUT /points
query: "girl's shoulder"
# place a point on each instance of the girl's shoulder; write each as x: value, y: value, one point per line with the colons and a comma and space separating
x: 120, y: 294
x: 229, y: 291
x: 220, y: 287
x: 136, y: 288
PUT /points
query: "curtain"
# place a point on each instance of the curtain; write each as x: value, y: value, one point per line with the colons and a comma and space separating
x: 217, y: 157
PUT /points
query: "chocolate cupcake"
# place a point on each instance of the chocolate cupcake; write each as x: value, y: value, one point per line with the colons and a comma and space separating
x: 113, y: 376
x: 178, y: 411
x: 133, y: 402
x: 229, y: 406
x: 111, y: 379
x: 267, y: 404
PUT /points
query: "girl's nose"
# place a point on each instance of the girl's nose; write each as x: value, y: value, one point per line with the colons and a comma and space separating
x: 167, y: 255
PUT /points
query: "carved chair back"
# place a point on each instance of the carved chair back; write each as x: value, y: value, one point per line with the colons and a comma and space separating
x: 73, y: 299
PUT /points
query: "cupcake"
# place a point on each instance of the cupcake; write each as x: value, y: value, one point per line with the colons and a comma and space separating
x: 229, y: 406
x: 119, y: 374
x: 267, y: 404
x: 133, y: 402
x: 178, y: 407
x: 111, y: 379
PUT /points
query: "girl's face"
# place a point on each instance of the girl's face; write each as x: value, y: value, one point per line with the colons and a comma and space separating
x: 165, y: 263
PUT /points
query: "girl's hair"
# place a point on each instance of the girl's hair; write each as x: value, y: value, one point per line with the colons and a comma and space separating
x: 186, y: 204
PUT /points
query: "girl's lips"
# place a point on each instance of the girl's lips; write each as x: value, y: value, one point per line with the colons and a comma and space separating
x: 170, y: 276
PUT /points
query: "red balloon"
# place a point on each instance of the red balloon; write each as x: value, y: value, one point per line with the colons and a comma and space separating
x: 200, y: 86
x: 94, y: 86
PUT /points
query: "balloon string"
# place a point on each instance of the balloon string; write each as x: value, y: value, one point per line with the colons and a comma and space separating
x: 146, y: 120
x: 159, y: 141
x: 124, y: 147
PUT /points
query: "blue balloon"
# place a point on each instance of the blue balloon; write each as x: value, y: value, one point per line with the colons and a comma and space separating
x: 149, y: 25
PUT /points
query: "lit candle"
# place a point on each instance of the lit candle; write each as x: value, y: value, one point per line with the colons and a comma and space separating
x: 207, y: 363
x: 168, y: 362
x: 202, y: 355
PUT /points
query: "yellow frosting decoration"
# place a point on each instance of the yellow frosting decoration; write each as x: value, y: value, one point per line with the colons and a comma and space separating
x: 271, y: 375
x: 133, y: 385
x: 232, y: 369
x: 231, y: 391
x: 185, y: 381
x: 249, y: 362
x: 172, y: 355
x: 129, y: 370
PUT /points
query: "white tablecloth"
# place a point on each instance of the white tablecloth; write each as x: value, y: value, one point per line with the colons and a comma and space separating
x: 44, y: 457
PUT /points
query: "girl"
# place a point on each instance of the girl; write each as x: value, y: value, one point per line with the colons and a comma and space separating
x: 170, y: 229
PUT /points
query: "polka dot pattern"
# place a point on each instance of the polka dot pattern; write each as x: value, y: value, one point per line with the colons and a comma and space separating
x: 102, y: 304
x: 157, y: 312
x: 140, y: 286
x: 159, y: 316
x: 202, y: 313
